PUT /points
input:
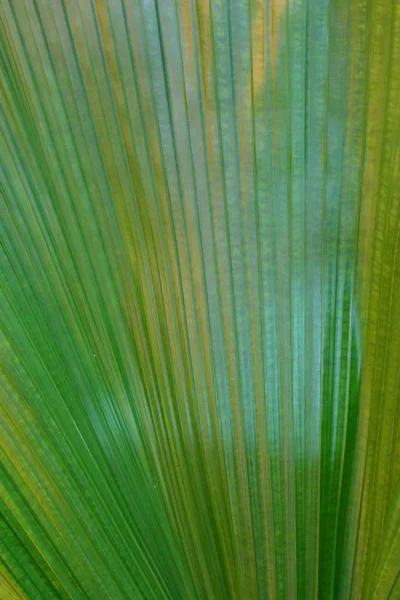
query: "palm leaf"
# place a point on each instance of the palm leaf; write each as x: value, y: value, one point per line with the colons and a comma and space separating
x: 200, y: 299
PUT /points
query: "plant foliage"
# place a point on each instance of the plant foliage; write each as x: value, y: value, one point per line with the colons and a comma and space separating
x: 200, y: 299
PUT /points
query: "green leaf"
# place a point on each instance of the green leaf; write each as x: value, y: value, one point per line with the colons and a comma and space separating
x: 199, y: 299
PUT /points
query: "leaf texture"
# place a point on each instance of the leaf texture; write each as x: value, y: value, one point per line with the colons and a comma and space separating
x: 199, y: 299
